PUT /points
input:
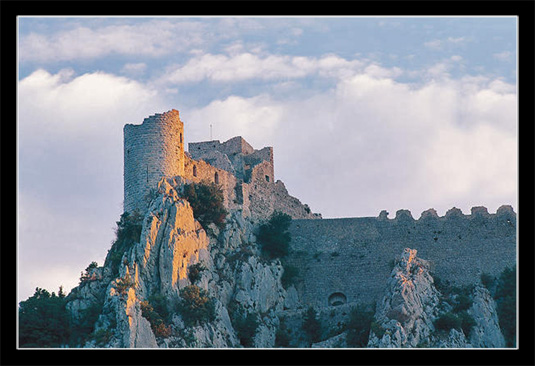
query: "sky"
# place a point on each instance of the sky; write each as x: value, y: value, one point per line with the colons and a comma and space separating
x: 364, y: 114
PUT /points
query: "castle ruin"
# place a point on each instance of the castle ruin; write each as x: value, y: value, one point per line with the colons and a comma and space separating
x: 339, y: 260
x: 155, y: 150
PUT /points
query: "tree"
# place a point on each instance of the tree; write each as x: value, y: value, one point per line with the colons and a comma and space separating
x: 311, y: 325
x: 127, y: 233
x: 274, y: 237
x: 206, y: 200
x: 43, y: 320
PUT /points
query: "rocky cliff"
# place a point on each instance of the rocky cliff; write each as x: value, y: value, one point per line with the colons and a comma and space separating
x: 181, y: 286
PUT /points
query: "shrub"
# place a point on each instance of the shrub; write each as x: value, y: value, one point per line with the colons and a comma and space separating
x: 289, y: 275
x: 311, y: 325
x: 282, y: 339
x: 467, y: 322
x: 156, y: 321
x: 448, y: 321
x: 246, y: 327
x: 206, y: 200
x: 359, y: 326
x: 487, y: 280
x: 196, y: 306
x: 86, y: 276
x: 274, y: 237
x: 194, y: 272
x: 43, y: 320
x: 127, y: 233
x: 123, y: 284
x: 377, y: 329
x: 506, y: 300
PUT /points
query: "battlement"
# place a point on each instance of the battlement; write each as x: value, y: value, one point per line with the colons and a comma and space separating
x: 352, y: 255
x: 476, y: 212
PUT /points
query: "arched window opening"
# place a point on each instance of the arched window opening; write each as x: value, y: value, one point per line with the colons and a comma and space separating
x: 181, y: 137
x: 337, y: 299
x: 216, y: 178
x: 267, y: 178
x: 195, y: 170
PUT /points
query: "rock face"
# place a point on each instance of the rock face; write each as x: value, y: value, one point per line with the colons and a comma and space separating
x: 238, y: 298
x: 232, y: 276
x: 486, y: 333
x: 407, y: 310
x: 406, y: 316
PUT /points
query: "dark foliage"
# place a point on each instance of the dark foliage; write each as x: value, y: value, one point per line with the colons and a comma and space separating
x: 127, y: 233
x: 196, y: 306
x: 448, y: 321
x: 274, y: 237
x: 246, y: 326
x: 206, y: 200
x: 506, y: 300
x: 194, y: 272
x: 359, y: 327
x: 289, y: 275
x: 156, y: 321
x: 43, y: 320
x: 312, y: 326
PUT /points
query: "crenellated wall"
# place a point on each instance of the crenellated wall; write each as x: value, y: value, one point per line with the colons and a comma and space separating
x: 353, y: 256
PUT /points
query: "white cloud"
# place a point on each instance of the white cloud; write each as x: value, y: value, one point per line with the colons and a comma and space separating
x: 246, y: 66
x: 70, y: 166
x: 374, y: 143
x: 439, y: 44
x: 134, y: 69
x: 503, y: 56
x: 151, y: 38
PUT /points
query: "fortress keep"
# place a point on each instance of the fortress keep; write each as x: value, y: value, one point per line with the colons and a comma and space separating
x: 339, y: 260
x: 155, y: 150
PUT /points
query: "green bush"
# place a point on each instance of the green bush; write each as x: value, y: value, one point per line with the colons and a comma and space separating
x: 194, y: 272
x: 506, y: 300
x: 128, y: 233
x: 157, y: 324
x: 206, y: 200
x: 448, y: 321
x: 274, y: 237
x: 289, y: 275
x: 311, y: 325
x: 123, y: 284
x: 195, y: 305
x: 246, y: 327
x: 43, y: 320
x: 86, y: 276
x: 487, y: 280
x: 358, y: 327
x: 467, y: 322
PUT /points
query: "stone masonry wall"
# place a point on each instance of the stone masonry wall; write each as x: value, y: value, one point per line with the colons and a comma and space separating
x: 354, y: 256
x: 152, y: 150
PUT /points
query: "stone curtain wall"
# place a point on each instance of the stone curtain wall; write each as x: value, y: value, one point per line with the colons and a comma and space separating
x: 354, y: 256
x: 152, y: 150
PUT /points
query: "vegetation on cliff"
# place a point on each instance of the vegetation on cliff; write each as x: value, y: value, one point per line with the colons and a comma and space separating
x: 206, y: 200
x: 127, y: 234
x: 43, y: 320
x: 273, y: 236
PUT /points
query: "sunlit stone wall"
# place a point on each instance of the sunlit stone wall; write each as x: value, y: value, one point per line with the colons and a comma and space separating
x: 152, y: 150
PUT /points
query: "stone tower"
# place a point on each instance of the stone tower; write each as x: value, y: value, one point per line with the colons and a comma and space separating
x: 152, y: 150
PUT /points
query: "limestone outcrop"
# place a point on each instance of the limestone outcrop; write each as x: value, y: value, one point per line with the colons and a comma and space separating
x: 413, y: 313
x: 409, y: 307
x: 231, y: 275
